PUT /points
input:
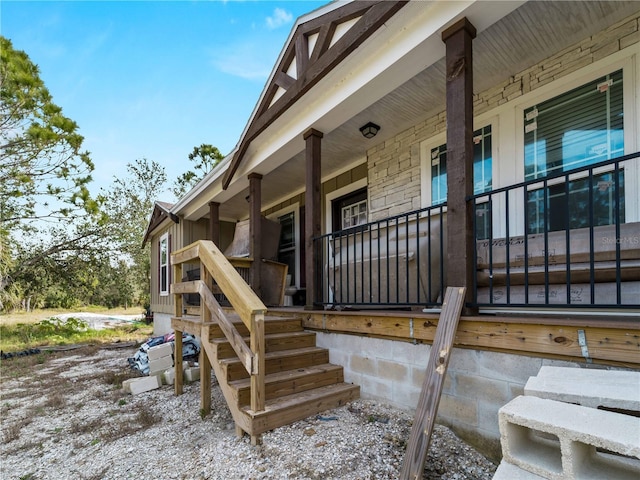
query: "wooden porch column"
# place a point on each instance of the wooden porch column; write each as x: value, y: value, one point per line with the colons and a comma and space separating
x: 255, y: 251
x: 214, y: 223
x: 312, y: 208
x: 459, y: 73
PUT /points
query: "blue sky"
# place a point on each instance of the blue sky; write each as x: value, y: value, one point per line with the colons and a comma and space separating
x: 153, y: 79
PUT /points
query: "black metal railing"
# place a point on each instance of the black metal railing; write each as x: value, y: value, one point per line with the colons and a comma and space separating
x: 392, y: 262
x: 559, y: 241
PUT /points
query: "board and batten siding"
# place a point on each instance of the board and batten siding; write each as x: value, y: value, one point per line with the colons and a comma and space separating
x: 180, y: 235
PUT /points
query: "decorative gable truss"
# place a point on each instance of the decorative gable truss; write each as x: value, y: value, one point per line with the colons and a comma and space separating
x: 316, y: 47
x: 161, y: 211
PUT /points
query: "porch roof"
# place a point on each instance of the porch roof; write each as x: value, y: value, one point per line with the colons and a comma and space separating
x: 394, y: 78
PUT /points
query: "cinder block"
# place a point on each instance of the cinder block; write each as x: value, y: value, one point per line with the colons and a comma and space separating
x: 162, y: 350
x: 126, y: 385
x: 507, y: 471
x: 158, y: 374
x: 159, y: 365
x: 144, y: 384
x: 588, y: 387
x: 169, y: 376
x: 192, y: 374
x: 562, y: 441
x: 397, y: 372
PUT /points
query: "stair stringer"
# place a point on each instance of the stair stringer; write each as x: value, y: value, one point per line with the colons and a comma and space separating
x: 241, y: 419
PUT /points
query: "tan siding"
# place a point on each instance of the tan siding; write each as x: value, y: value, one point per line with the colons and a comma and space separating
x: 162, y: 304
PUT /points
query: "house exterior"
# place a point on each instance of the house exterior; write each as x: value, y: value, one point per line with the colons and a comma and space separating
x: 407, y: 146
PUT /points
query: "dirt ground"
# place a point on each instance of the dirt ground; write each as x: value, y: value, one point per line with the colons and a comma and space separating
x: 65, y: 416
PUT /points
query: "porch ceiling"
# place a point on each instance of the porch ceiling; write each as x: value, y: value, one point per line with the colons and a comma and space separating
x: 527, y: 35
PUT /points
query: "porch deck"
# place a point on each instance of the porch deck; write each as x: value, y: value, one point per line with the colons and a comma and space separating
x: 609, y: 340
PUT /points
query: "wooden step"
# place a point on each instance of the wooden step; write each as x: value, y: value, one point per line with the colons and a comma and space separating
x: 291, y: 408
x: 271, y: 325
x: 278, y: 362
x: 285, y: 383
x: 188, y: 324
x: 274, y: 342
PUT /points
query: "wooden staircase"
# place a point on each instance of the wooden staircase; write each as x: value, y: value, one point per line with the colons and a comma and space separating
x: 282, y: 378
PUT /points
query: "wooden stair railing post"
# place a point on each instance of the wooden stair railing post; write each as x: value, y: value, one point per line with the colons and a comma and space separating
x: 427, y: 409
x: 257, y: 367
x: 205, y: 375
x: 203, y: 359
x: 177, y: 353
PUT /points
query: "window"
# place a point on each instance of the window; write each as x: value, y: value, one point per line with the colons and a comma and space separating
x: 350, y: 210
x: 482, y: 160
x: 291, y: 219
x: 163, y: 264
x: 482, y: 176
x: 287, y: 246
x: 354, y: 214
x: 576, y: 129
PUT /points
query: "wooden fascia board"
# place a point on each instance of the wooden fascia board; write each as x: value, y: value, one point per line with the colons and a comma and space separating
x: 372, y: 17
x: 610, y: 342
x: 159, y: 215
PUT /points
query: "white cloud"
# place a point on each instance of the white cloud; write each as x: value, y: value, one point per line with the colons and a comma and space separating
x: 279, y: 18
x: 244, y: 60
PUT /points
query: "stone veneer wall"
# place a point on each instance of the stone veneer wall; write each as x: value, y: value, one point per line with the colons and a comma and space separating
x: 394, y: 166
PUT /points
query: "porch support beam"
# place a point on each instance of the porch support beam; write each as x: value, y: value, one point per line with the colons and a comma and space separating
x: 313, y: 210
x: 214, y: 223
x: 255, y: 250
x: 459, y: 77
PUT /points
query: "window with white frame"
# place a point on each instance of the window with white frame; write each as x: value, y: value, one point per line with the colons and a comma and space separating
x: 575, y: 129
x: 350, y: 210
x: 163, y: 264
x: 354, y: 214
x: 482, y: 176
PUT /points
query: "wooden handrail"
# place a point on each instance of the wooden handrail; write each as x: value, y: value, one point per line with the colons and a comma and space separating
x: 243, y: 300
x: 235, y: 339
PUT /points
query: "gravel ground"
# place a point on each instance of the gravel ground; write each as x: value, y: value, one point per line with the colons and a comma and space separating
x: 64, y: 416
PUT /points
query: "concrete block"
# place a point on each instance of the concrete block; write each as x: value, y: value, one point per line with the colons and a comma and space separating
x: 507, y: 471
x: 394, y: 371
x: 364, y: 365
x: 562, y: 441
x: 159, y: 365
x: 372, y: 387
x: 158, y: 374
x: 405, y: 395
x: 502, y: 366
x: 588, y: 387
x: 126, y: 385
x: 162, y: 350
x: 192, y: 374
x: 169, y: 376
x: 188, y: 364
x: 459, y: 408
x: 410, y: 354
x: 486, y: 389
x: 144, y: 384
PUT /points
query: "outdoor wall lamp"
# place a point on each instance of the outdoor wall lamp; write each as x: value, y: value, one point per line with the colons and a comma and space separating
x: 369, y: 130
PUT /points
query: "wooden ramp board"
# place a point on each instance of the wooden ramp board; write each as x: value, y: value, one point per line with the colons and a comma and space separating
x: 416, y: 454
